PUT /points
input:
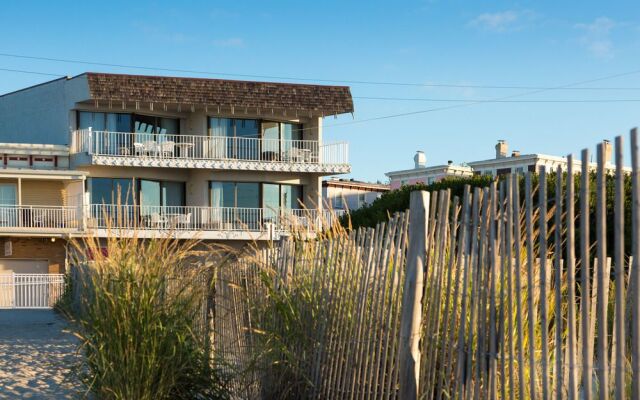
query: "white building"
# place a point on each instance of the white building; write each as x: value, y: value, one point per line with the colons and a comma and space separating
x: 427, y: 175
x: 348, y: 194
x: 502, y: 164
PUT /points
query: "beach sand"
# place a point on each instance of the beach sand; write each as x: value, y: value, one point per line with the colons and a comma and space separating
x: 37, y: 356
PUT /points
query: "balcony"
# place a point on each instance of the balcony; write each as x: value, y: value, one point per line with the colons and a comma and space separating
x: 210, y: 152
x: 149, y: 221
x: 44, y: 220
x: 203, y: 222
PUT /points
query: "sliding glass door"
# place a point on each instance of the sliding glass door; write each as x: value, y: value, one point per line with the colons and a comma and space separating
x: 235, y: 204
x: 109, y: 131
x: 234, y: 138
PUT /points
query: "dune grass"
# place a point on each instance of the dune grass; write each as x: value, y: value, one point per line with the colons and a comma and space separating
x: 139, y: 318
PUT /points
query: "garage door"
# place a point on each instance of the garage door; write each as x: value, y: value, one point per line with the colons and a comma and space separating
x: 23, y: 266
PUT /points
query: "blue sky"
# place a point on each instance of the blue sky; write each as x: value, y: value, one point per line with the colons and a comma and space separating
x: 507, y: 43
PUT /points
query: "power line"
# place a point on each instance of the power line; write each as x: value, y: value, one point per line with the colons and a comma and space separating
x: 406, y: 114
x: 29, y: 72
x: 497, y: 101
x: 301, y: 79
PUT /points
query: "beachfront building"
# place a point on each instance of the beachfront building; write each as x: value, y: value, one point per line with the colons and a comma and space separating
x: 220, y: 160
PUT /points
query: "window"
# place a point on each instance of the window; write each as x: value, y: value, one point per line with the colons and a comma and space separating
x: 234, y: 194
x: 8, y: 194
x: 235, y: 128
x: 362, y: 199
x: 107, y: 190
x: 276, y: 137
x: 338, y: 203
x: 519, y: 170
x: 99, y: 121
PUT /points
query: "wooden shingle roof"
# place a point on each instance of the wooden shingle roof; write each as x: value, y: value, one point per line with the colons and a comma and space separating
x: 319, y: 99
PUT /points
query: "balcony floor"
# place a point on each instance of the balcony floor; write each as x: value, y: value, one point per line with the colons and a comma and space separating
x: 237, y: 165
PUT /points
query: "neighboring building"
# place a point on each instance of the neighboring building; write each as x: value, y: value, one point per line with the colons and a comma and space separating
x: 207, y: 158
x: 427, y: 175
x: 502, y: 164
x: 342, y: 195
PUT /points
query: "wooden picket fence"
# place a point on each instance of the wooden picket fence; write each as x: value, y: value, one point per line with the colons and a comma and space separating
x: 498, y: 294
x: 323, y: 314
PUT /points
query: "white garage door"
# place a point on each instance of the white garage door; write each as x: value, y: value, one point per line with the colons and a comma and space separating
x: 23, y: 266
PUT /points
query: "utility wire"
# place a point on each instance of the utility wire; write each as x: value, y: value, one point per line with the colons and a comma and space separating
x: 406, y: 114
x: 29, y: 72
x: 498, y: 101
x: 300, y: 79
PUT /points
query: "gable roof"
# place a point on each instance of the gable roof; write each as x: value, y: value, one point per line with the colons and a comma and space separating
x: 319, y: 99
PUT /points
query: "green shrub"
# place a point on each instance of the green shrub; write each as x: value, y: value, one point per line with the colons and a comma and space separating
x: 398, y: 200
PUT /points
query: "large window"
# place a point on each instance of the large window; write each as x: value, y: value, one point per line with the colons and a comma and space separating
x: 112, y: 191
x: 243, y: 130
x: 276, y: 138
x: 234, y: 194
x: 154, y: 194
x: 99, y: 121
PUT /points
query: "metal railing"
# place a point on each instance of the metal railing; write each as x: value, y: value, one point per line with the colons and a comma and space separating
x: 30, y: 290
x: 48, y: 217
x: 164, y: 146
x: 188, y: 218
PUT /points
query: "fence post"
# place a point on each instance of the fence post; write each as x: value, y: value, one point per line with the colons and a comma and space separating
x: 409, y: 351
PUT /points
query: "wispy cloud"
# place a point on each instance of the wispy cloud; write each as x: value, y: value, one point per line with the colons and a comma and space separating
x: 596, y: 37
x: 502, y: 21
x: 162, y: 35
x: 229, y: 42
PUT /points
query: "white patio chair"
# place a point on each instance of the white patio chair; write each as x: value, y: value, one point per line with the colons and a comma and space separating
x: 150, y: 148
x: 157, y: 221
x: 167, y: 149
x: 138, y: 149
x: 183, y: 220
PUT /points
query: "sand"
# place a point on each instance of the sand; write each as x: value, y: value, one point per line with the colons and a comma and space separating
x: 37, y: 356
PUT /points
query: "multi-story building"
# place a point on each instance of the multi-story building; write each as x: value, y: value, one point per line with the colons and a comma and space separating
x: 206, y: 158
x: 342, y: 195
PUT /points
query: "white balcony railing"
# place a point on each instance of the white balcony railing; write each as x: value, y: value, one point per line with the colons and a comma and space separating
x: 103, y: 216
x: 39, y: 217
x: 163, y: 146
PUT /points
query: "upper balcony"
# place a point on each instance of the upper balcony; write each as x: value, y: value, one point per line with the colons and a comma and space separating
x: 210, y: 152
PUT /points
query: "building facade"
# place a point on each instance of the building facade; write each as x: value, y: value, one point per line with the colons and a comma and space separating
x: 342, y: 195
x: 206, y: 158
x: 502, y: 164
x: 426, y: 175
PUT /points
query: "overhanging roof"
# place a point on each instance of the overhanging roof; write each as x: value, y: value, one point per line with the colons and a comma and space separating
x: 316, y: 99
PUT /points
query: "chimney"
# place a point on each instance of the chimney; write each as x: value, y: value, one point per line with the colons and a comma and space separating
x: 501, y: 149
x: 608, y: 151
x: 515, y: 153
x: 450, y: 162
x: 420, y: 159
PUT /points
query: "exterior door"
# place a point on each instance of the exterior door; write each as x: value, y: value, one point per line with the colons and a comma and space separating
x: 8, y: 202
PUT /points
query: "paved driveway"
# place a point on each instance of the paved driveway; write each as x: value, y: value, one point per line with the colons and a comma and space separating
x: 37, y: 354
